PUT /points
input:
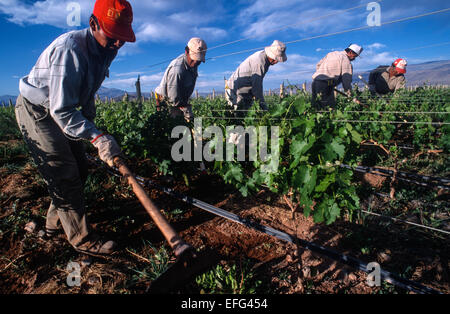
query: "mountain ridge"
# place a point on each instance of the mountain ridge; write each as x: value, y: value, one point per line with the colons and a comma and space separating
x: 430, y: 72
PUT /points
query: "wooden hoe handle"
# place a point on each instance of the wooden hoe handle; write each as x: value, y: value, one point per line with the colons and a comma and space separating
x: 174, y: 240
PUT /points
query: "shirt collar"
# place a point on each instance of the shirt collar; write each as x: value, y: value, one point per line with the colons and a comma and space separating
x: 186, y: 66
x: 92, y: 42
x: 94, y: 47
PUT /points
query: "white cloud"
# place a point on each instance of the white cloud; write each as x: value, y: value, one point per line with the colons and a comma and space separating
x: 206, y: 85
x: 161, y: 20
x: 155, y: 31
x: 372, y: 56
x: 375, y: 46
x: 49, y: 12
x: 296, y: 17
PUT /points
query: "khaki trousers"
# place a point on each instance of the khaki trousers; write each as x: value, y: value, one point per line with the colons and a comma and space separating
x: 63, y: 166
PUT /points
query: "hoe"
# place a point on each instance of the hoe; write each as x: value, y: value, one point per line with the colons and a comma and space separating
x: 189, y: 263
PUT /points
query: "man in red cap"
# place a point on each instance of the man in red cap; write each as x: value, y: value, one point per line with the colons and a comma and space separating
x: 65, y: 78
x: 388, y: 79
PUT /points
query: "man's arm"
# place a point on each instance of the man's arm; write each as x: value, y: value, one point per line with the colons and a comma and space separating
x: 66, y: 77
x: 347, y: 75
x: 257, y: 90
x: 174, y: 88
x: 401, y: 83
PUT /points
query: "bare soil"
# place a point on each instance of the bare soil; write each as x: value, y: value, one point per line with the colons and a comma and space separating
x: 29, y: 264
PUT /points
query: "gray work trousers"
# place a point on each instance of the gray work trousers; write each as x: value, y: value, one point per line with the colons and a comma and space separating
x: 63, y: 166
x: 323, y: 94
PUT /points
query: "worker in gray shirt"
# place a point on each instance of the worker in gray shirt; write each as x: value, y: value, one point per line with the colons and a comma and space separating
x: 178, y: 82
x: 388, y: 79
x: 246, y: 83
x: 335, y: 68
x: 65, y: 78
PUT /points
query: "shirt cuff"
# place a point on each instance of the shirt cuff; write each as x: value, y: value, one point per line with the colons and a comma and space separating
x: 95, y: 135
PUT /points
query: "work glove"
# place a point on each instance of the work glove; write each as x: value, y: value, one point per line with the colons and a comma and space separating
x: 107, y: 148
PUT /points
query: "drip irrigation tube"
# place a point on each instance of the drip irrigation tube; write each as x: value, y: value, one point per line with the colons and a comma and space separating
x: 343, y: 258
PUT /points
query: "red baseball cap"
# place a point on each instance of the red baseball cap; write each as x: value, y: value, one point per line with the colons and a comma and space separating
x: 400, y: 65
x: 115, y: 18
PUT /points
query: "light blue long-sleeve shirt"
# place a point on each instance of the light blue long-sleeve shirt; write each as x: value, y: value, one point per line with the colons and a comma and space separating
x: 65, y: 80
x: 178, y: 82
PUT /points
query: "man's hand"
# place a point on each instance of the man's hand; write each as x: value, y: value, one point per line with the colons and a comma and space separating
x: 107, y: 148
x: 356, y: 101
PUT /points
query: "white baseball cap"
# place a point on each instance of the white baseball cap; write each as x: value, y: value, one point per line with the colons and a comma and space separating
x: 356, y: 49
x: 277, y: 51
x: 197, y: 49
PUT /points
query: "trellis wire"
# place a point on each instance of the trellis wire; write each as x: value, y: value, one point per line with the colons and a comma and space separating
x: 340, y: 121
x: 405, y: 221
x: 345, y: 259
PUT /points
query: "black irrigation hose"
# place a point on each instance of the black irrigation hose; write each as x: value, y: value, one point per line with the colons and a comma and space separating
x: 343, y: 258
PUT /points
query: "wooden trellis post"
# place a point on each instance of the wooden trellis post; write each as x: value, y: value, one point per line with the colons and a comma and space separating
x: 213, y: 94
x: 138, y: 89
x: 282, y: 90
x: 196, y: 94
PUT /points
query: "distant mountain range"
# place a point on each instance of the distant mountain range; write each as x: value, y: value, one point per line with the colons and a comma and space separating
x: 432, y: 73
x: 4, y: 100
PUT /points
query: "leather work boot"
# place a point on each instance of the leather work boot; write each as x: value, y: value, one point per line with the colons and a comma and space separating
x: 97, y: 247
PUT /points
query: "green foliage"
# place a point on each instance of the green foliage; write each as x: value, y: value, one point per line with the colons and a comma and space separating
x: 311, y: 150
x: 8, y: 125
x: 420, y: 100
x: 143, y: 132
x: 312, y: 144
x: 229, y: 279
x: 158, y: 263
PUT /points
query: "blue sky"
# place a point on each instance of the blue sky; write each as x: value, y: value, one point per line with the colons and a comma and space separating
x: 163, y: 28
